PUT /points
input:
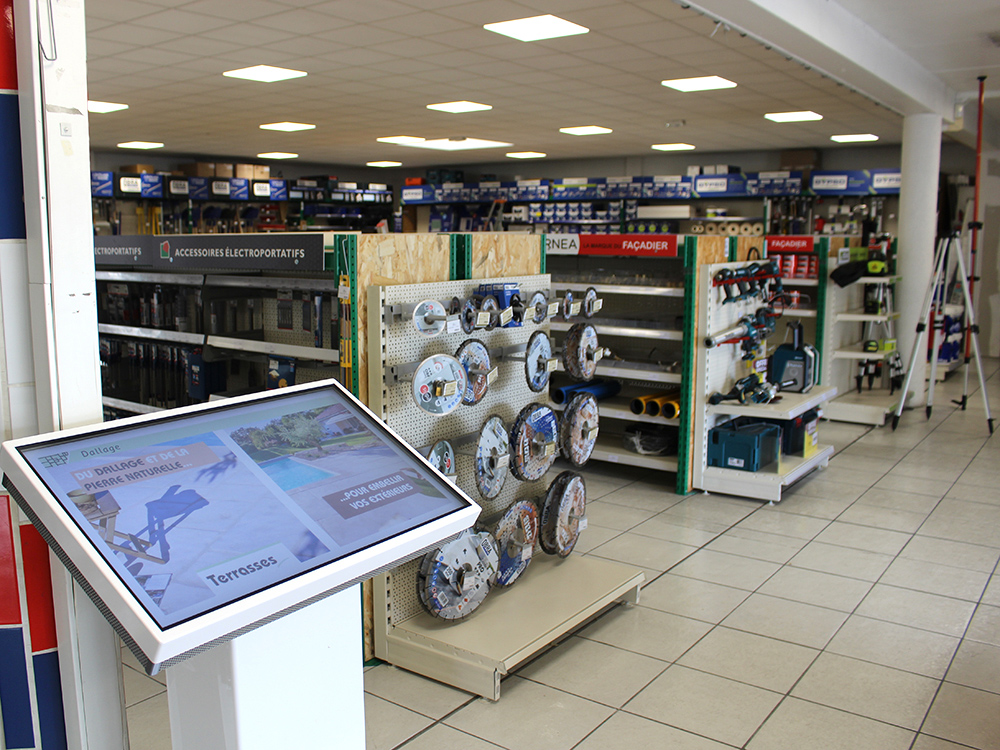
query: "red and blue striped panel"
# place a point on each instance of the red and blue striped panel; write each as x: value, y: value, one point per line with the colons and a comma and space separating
x: 11, y: 189
x: 15, y: 690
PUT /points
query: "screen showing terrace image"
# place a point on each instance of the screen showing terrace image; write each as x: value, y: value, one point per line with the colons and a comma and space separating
x: 196, y: 512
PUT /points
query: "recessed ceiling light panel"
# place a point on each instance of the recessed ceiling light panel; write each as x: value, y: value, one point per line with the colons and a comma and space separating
x: 702, y: 83
x: 287, y: 127
x: 277, y: 155
x: 536, y: 27
x: 526, y: 155
x: 457, y: 144
x: 586, y: 130
x: 806, y: 116
x: 102, y: 108
x: 384, y: 164
x: 265, y: 73
x: 854, y: 138
x: 672, y: 147
x: 401, y: 140
x: 144, y: 145
x: 460, y: 107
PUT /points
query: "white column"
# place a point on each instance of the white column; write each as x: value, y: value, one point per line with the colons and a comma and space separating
x: 918, y: 196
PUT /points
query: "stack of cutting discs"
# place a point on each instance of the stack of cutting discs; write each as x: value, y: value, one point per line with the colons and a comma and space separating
x: 563, y: 514
x: 469, y: 314
x: 538, y: 306
x: 567, y: 305
x: 516, y: 533
x: 429, y: 317
x: 492, y: 457
x: 537, y: 354
x: 442, y: 458
x: 454, y: 579
x: 475, y: 357
x: 578, y: 429
x: 591, y: 303
x: 579, y: 351
x: 439, y: 384
x: 491, y: 305
x: 534, y: 442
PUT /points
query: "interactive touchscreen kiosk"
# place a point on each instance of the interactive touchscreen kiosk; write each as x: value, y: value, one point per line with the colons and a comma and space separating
x: 191, y: 527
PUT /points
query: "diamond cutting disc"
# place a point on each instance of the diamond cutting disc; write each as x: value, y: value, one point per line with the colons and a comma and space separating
x: 578, y: 429
x: 492, y: 457
x: 468, y: 314
x: 491, y: 305
x: 517, y: 309
x: 442, y: 457
x: 422, y: 310
x: 550, y: 506
x: 567, y: 305
x: 536, y: 357
x: 455, y: 306
x: 454, y: 579
x: 590, y: 303
x: 578, y: 351
x: 564, y: 516
x: 474, y: 355
x: 538, y: 306
x: 516, y: 533
x: 439, y: 383
x: 534, y: 441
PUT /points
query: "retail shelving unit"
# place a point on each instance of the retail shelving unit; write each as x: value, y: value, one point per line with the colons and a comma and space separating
x: 553, y: 596
x: 716, y: 370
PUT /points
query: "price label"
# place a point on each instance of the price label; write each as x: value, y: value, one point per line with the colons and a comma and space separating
x: 491, y: 376
x: 583, y: 524
x: 553, y: 309
x: 549, y: 449
x: 575, y: 308
x: 551, y: 365
x: 450, y: 388
x: 506, y: 315
x: 453, y: 324
x: 591, y: 434
x: 482, y: 319
x: 598, y: 354
x: 344, y: 292
x: 598, y: 304
x: 611, y: 458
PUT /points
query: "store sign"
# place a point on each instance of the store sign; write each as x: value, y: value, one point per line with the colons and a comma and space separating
x: 887, y: 180
x: 658, y: 245
x: 783, y: 244
x: 829, y: 182
x: 102, y: 184
x: 562, y: 244
x: 711, y: 184
x: 294, y: 251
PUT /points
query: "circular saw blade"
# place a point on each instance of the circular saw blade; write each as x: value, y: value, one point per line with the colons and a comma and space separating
x: 578, y: 429
x: 419, y: 318
x: 454, y: 579
x: 538, y: 307
x: 516, y: 533
x: 534, y: 442
x: 491, y: 305
x: 589, y: 302
x: 437, y: 369
x: 578, y: 351
x: 492, y: 457
x: 474, y: 355
x: 564, y: 514
x: 536, y: 355
x: 442, y: 457
x: 567, y: 305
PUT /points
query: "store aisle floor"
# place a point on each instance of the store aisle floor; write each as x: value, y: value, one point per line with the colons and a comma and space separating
x: 863, y: 611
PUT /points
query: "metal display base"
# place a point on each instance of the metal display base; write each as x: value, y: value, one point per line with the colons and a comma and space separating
x: 867, y: 407
x: 552, y: 598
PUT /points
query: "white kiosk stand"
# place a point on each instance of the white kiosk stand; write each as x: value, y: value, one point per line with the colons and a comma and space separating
x: 225, y: 541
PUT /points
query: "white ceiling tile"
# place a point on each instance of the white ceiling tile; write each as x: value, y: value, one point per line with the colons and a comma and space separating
x: 411, y: 47
x: 250, y: 35
x: 364, y: 12
x: 304, y: 22
x: 129, y: 34
x: 357, y: 35
x: 180, y: 21
x: 244, y: 10
x: 424, y: 24
x: 119, y: 10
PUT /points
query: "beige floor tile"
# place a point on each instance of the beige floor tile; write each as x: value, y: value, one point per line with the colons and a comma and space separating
x: 863, y: 449
x: 388, y: 725
x: 757, y: 544
x: 815, y: 485
x: 946, y: 552
x: 916, y: 485
x: 961, y: 521
x: 985, y: 625
x: 598, y: 488
x: 594, y: 671
x: 650, y: 554
x: 618, y: 517
x: 441, y: 737
x: 906, y: 501
x: 992, y: 595
x: 976, y: 665
x: 965, y: 716
x: 798, y: 724
x: 139, y: 686
x: 930, y: 466
x: 414, y: 692
x: 926, y: 742
x: 660, y: 528
x: 776, y: 521
x: 814, y: 587
x: 593, y: 537
x: 624, y: 730
x: 650, y: 632
x: 897, y: 646
x: 867, y: 538
x: 149, y: 724
x: 974, y: 493
x: 530, y: 716
x: 712, y: 509
x: 786, y: 620
x: 867, y: 689
x: 727, y: 570
x: 815, y: 507
x: 935, y: 578
x: 846, y: 474
x: 917, y: 609
x: 866, y: 461
x: 753, y: 659
x: 883, y: 518
x: 711, y: 706
x: 845, y: 561
x: 690, y: 597
x: 642, y: 496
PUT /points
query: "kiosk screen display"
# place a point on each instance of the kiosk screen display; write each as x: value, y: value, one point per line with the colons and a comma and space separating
x: 195, y: 512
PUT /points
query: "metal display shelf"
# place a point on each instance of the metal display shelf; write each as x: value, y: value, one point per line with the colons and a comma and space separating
x: 148, y: 277
x: 132, y: 406
x: 651, y: 291
x: 624, y: 328
x: 275, y: 349
x: 273, y: 282
x: 791, y: 405
x: 552, y: 597
x: 156, y: 334
x: 609, y: 448
x: 856, y: 351
x: 764, y: 484
x: 878, y: 279
x: 867, y: 407
x: 792, y: 312
x: 860, y: 316
x: 800, y: 282
x: 618, y: 408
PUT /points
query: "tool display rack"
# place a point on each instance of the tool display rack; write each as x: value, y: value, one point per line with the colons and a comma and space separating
x: 553, y: 596
x: 716, y: 370
x: 844, y: 324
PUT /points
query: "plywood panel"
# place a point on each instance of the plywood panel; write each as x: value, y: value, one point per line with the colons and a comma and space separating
x: 505, y: 254
x: 712, y: 249
x: 385, y: 259
x: 744, y: 244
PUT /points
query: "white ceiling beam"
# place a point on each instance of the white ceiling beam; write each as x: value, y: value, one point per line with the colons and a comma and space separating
x: 822, y: 34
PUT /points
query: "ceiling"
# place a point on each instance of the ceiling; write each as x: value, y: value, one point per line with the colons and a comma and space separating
x: 374, y: 65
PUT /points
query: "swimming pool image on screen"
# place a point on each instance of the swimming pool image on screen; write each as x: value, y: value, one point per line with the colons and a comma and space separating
x: 290, y: 473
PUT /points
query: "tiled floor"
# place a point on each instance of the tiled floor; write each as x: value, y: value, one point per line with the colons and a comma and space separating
x: 862, y: 612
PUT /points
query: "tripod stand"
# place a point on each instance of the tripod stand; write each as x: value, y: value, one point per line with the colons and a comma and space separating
x: 932, y: 299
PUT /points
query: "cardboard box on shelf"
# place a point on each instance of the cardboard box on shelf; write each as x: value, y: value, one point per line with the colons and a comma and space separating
x: 137, y: 168
x: 261, y: 172
x: 198, y: 169
x: 800, y: 158
x: 224, y: 170
x: 243, y: 171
